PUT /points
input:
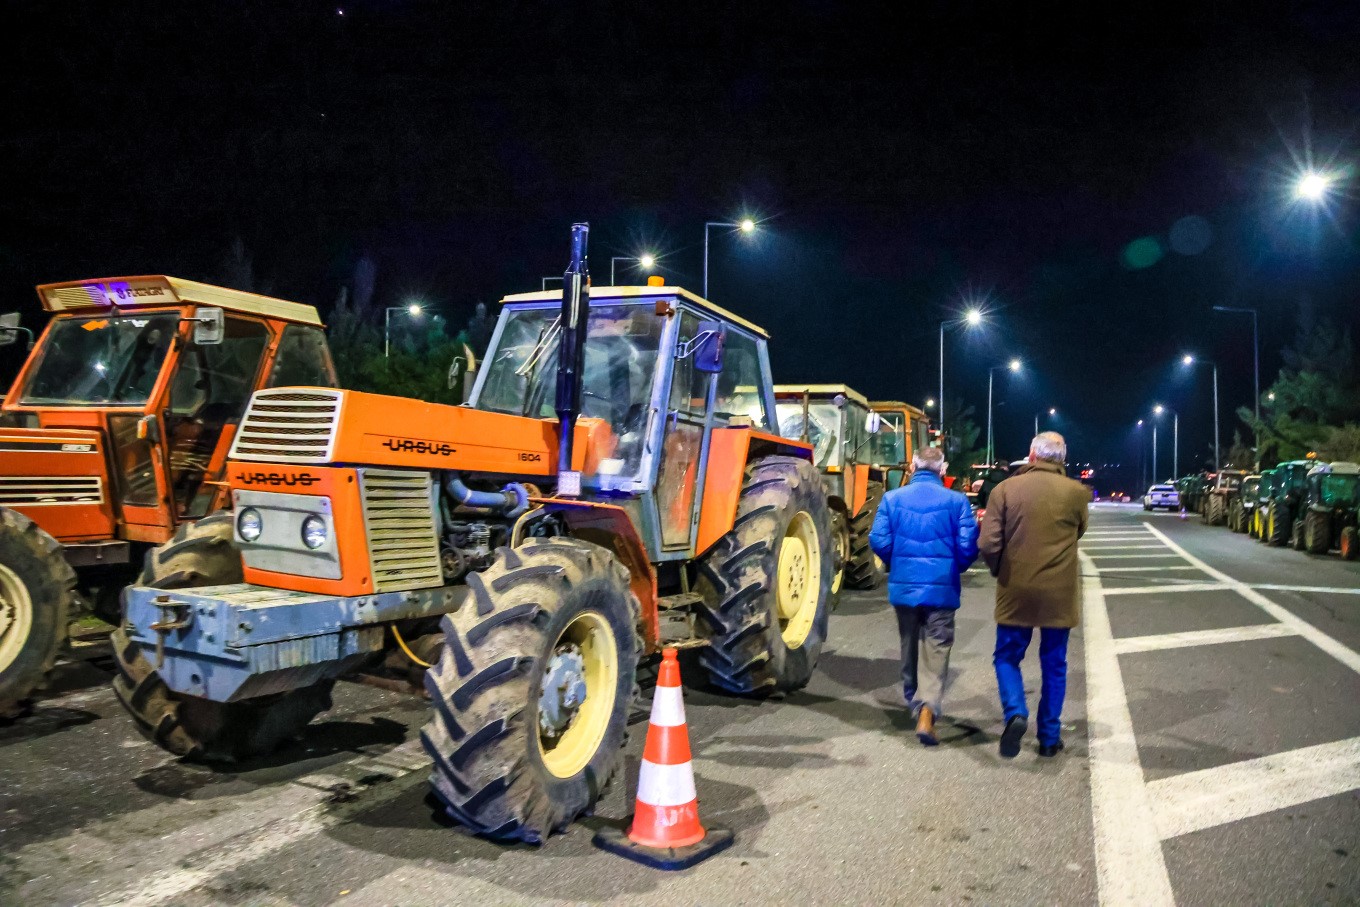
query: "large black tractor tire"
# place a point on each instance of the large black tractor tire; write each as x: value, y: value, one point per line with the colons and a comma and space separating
x: 865, y: 570
x: 1234, y: 517
x: 1296, y: 536
x: 762, y: 639
x: 37, y: 600
x: 1216, y: 510
x: 204, y: 554
x: 840, y: 540
x: 1349, y: 544
x: 1317, y: 532
x: 1278, y: 526
x: 544, y: 610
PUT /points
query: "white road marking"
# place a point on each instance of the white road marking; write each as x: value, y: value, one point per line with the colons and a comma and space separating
x: 1177, y: 587
x: 1127, y: 644
x: 1130, y: 868
x: 1126, y: 557
x: 1104, y: 570
x: 1347, y: 656
x: 1094, y: 548
x: 1328, y: 590
x: 1227, y: 793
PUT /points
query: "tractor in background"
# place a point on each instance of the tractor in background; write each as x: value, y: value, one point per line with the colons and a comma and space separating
x: 1330, y: 507
x: 1288, y: 484
x: 114, y: 437
x: 1219, y: 496
x: 614, y: 486
x: 837, y: 421
x: 1264, y: 490
x: 904, y: 430
x: 1242, y: 505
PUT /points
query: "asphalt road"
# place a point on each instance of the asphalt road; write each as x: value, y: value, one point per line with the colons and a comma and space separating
x: 1220, y: 764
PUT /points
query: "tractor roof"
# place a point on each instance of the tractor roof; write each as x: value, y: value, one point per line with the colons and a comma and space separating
x: 1344, y: 468
x: 602, y: 294
x: 882, y: 405
x: 158, y: 289
x: 820, y: 391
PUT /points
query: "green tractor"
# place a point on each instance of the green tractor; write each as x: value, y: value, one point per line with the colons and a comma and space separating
x: 1192, y: 491
x: 1257, y: 526
x: 1330, y: 511
x: 1219, y: 495
x: 1286, y: 494
x: 1243, y: 504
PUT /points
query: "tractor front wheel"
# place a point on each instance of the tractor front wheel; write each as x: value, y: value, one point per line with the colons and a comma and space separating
x: 1216, y: 511
x: 840, y: 535
x: 767, y: 583
x: 204, y: 554
x: 37, y: 594
x: 865, y: 570
x: 1349, y: 544
x: 1296, y: 536
x: 533, y: 689
x: 1278, y: 526
x: 1317, y: 532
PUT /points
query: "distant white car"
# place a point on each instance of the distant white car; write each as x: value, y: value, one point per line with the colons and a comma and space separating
x: 1162, y: 496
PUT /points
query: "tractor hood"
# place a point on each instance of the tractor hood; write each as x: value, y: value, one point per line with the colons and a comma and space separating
x: 59, y: 479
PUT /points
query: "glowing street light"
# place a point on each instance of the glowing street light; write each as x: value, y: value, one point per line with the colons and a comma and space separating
x: 1313, y: 186
x: 1013, y: 365
x: 1175, y: 441
x: 745, y: 225
x: 1052, y: 411
x: 974, y: 317
x: 971, y: 318
x: 645, y: 260
x: 1189, y: 360
x: 412, y: 310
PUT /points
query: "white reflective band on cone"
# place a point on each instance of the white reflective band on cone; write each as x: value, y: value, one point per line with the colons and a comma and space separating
x: 666, y: 785
x: 668, y: 707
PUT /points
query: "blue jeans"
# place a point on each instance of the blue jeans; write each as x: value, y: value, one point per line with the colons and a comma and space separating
x: 1011, y: 643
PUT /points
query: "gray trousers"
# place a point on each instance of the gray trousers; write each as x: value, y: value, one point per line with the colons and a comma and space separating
x: 929, y: 632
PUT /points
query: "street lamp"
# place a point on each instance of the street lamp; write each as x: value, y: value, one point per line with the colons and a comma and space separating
x: 1256, y: 376
x: 646, y: 261
x: 1312, y: 186
x: 745, y: 225
x: 1013, y: 365
x: 1175, y: 440
x: 971, y: 318
x: 1189, y: 361
x: 412, y: 309
x: 1052, y: 411
x: 1142, y: 454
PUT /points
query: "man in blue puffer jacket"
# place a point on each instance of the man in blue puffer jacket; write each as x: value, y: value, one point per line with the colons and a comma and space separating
x: 927, y: 536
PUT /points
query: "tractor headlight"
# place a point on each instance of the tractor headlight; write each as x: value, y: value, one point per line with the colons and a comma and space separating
x: 249, y: 524
x: 314, y: 532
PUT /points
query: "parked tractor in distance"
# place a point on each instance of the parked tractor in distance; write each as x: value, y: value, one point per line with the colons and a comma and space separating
x: 528, y: 560
x: 1192, y: 489
x: 1329, y: 510
x: 115, y: 434
x: 904, y: 431
x: 837, y: 421
x: 1242, y: 505
x: 1220, y: 494
x: 1264, y: 490
x: 1287, y: 486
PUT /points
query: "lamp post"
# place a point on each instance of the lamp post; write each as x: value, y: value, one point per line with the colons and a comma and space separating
x: 1256, y: 376
x: 413, y: 309
x: 646, y: 260
x: 1189, y: 361
x: 1052, y: 411
x: 1013, y: 365
x: 1142, y: 454
x: 745, y: 225
x: 971, y: 318
x: 1175, y: 440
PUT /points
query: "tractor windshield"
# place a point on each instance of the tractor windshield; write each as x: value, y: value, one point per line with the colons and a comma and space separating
x: 889, y: 446
x: 1340, y: 490
x: 823, y: 428
x: 104, y: 359
x: 622, y: 342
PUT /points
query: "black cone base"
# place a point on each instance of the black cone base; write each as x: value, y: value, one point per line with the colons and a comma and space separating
x: 616, y: 840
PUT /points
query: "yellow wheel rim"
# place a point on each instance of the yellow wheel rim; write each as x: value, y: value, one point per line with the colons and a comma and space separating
x: 16, y: 616
x: 799, y: 580
x: 843, y: 557
x: 591, y: 653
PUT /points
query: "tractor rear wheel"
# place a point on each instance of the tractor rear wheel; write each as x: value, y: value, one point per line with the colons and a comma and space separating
x: 37, y: 598
x: 1234, y: 517
x: 840, y: 537
x: 1278, y: 526
x: 767, y: 583
x: 1317, y: 532
x: 1296, y: 536
x: 1349, y: 544
x: 533, y: 689
x: 1216, y: 511
x: 204, y: 554
x: 865, y: 571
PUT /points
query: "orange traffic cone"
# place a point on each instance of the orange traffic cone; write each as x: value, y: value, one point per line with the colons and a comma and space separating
x: 665, y: 832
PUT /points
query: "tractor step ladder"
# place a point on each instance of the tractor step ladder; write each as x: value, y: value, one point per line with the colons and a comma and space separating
x: 676, y: 616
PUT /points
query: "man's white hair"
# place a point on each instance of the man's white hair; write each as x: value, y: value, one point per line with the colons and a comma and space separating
x: 931, y: 458
x: 1049, y: 446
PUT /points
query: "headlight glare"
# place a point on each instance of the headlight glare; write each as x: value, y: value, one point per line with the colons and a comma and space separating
x: 249, y: 524
x: 314, y: 532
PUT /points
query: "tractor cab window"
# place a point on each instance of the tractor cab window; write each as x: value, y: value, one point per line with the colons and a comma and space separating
x: 740, y: 381
x: 1340, y: 490
x: 303, y: 359
x: 210, y: 391
x: 111, y: 360
x: 856, y: 438
x: 889, y: 446
x: 622, y: 343
x: 822, y: 429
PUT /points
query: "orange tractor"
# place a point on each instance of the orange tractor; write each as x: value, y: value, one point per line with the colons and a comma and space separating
x: 116, y: 433
x: 837, y: 421
x: 905, y: 429
x: 615, y: 485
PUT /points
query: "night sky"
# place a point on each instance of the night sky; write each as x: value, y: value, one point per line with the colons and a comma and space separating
x: 903, y: 159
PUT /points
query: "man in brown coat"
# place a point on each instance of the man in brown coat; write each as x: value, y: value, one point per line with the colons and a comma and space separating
x: 1029, y: 541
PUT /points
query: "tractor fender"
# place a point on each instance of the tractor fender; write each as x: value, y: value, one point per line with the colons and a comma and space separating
x: 728, y: 453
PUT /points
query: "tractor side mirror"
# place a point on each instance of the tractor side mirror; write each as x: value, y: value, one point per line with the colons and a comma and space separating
x: 148, y: 429
x: 706, y: 347
x: 873, y: 422
x: 209, y: 327
x: 10, y: 328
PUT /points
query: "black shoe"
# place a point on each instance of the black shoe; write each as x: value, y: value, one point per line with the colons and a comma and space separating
x: 1010, y: 737
x: 1050, y: 749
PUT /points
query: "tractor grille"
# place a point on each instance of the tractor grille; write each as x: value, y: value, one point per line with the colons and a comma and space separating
x: 16, y: 491
x: 403, y: 544
x: 289, y: 425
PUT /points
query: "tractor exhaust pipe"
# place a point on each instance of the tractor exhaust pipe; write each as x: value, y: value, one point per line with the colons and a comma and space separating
x: 571, y: 357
